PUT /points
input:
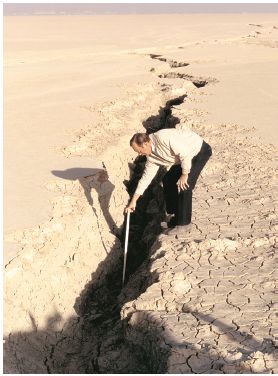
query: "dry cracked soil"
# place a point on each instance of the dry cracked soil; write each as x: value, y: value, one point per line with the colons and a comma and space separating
x: 196, y: 301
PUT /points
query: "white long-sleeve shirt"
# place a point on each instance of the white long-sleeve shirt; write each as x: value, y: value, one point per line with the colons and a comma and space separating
x: 169, y: 147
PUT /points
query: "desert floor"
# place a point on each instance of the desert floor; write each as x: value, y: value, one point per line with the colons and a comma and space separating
x: 75, y: 90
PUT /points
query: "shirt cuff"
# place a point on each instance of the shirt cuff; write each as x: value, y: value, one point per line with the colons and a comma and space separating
x: 185, y: 172
x: 139, y: 191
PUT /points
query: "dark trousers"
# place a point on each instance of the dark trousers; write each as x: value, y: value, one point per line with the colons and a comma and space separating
x: 180, y: 204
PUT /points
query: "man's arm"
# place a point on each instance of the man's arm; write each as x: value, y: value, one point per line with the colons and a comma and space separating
x: 132, y: 205
x: 146, y: 179
x: 177, y: 146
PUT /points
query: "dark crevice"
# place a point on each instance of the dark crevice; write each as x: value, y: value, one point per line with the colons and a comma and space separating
x: 176, y: 64
x: 164, y: 118
x: 197, y: 81
x: 99, y: 304
x: 172, y: 63
x: 157, y: 57
x: 150, y: 211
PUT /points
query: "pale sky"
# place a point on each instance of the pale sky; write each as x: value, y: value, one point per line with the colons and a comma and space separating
x: 125, y: 8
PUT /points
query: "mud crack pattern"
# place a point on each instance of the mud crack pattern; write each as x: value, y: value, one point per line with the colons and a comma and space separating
x: 204, y: 300
x: 213, y: 308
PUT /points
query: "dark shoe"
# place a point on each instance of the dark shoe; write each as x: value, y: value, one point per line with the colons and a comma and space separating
x: 180, y: 230
x: 172, y: 223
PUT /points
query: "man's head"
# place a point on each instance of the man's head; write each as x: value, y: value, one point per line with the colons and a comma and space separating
x: 141, y: 143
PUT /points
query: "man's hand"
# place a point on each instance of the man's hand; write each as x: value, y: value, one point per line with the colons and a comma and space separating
x: 182, y: 183
x: 131, y: 207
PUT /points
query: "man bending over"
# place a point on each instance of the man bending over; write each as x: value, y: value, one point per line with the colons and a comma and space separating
x: 184, y: 154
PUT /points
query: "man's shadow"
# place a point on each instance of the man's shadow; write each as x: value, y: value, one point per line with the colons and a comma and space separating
x: 93, y: 179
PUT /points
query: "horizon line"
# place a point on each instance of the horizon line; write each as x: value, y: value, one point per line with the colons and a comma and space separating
x: 16, y: 9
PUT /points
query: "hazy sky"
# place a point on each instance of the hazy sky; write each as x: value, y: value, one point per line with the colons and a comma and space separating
x: 125, y: 8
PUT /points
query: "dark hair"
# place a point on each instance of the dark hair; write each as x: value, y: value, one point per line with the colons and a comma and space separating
x: 139, y: 138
